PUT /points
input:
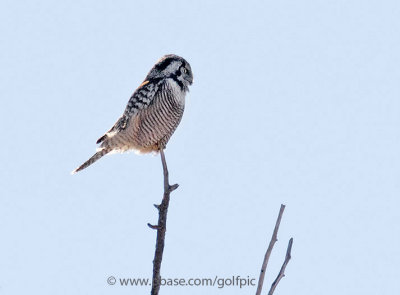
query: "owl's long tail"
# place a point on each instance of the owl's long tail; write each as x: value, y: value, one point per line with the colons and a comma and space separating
x: 93, y: 159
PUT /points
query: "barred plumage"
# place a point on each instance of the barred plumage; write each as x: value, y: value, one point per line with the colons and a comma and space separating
x: 153, y: 112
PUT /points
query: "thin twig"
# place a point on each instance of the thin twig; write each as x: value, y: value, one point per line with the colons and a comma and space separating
x: 282, y: 271
x: 269, y: 250
x: 161, y: 227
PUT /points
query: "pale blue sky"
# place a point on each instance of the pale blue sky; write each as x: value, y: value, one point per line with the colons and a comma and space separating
x: 294, y: 102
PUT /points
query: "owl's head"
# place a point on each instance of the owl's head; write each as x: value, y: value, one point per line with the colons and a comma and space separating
x: 175, y: 67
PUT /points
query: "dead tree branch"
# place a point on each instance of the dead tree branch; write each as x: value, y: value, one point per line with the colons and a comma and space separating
x: 282, y: 271
x: 274, y: 238
x: 161, y: 227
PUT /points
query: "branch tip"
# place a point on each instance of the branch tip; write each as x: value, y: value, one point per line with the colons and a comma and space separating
x: 281, y: 273
x: 153, y: 226
x: 272, y: 242
x: 173, y: 187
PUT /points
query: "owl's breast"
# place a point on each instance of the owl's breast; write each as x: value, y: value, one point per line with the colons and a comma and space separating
x: 155, y: 125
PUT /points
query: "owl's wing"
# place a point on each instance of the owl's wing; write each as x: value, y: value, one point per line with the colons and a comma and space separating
x: 140, y: 99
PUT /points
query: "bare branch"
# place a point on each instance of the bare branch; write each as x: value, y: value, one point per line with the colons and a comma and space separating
x: 161, y: 227
x: 269, y: 250
x: 282, y: 271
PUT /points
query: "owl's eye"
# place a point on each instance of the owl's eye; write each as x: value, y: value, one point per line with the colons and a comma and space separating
x: 185, y: 70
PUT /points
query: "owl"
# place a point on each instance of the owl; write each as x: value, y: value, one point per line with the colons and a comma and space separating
x: 153, y: 112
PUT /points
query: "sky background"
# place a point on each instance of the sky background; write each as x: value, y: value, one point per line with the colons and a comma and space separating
x: 293, y: 102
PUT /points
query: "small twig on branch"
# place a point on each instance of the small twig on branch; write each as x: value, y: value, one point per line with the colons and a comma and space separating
x: 161, y: 227
x: 269, y: 250
x: 282, y: 271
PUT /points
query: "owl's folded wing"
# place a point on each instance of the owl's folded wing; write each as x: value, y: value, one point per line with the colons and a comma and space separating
x: 140, y: 99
